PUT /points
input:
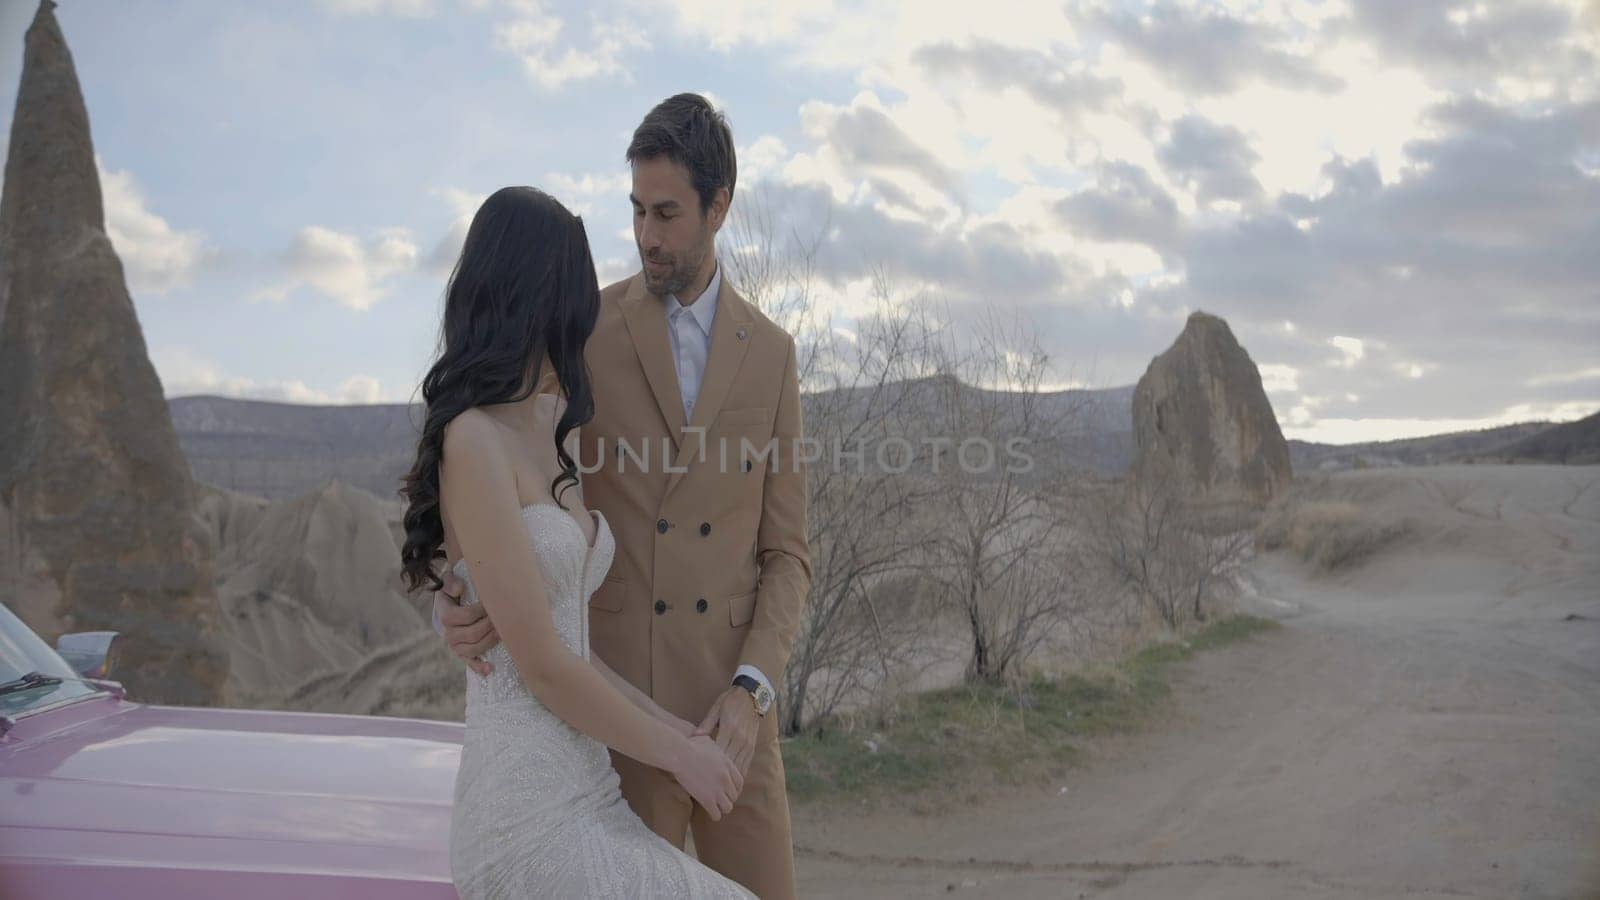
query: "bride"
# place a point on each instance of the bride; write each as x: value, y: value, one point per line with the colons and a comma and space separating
x: 495, y: 489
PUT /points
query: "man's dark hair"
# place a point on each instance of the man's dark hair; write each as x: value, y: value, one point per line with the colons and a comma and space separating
x: 689, y: 131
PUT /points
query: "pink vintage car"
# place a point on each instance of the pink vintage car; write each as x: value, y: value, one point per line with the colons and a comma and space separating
x: 102, y: 797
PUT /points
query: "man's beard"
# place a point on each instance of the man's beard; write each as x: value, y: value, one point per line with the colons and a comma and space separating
x: 680, y: 272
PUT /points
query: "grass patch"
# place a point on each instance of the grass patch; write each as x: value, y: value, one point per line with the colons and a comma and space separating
x: 1004, y: 734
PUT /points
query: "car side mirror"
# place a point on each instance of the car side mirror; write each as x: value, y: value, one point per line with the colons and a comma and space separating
x: 90, y: 653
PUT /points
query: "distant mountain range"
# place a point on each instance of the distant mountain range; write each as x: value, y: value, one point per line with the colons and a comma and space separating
x: 282, y: 450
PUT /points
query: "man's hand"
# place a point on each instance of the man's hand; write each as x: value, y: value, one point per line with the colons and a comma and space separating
x: 467, y: 629
x: 734, y: 719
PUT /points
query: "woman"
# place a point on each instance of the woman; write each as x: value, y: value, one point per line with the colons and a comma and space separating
x: 538, y: 807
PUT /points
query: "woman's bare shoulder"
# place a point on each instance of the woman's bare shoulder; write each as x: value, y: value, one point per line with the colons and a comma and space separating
x: 473, y: 433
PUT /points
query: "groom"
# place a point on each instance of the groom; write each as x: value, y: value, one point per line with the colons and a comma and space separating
x: 693, y: 458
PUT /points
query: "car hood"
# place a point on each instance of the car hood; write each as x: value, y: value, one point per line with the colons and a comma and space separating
x: 298, y: 788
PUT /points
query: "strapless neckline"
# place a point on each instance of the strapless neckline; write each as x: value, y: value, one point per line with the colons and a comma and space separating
x: 595, y: 515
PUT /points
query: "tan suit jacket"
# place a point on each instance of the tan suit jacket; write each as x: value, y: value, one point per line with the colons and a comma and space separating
x: 712, y: 566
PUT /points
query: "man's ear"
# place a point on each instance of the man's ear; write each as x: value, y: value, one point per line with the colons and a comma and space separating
x: 718, y: 212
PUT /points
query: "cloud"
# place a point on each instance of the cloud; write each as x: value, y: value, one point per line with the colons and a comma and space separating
x: 343, y: 267
x: 579, y: 193
x: 958, y: 261
x: 866, y: 141
x: 1339, y: 430
x: 1124, y: 205
x: 1413, y: 186
x: 463, y: 206
x: 1474, y: 268
x: 1206, y: 50
x: 1213, y: 160
x: 156, y: 258
x: 596, y: 197
x: 361, y: 389
x: 1352, y: 348
x: 1060, y: 84
x: 727, y: 24
x: 185, y: 373
x: 1457, y: 42
x: 408, y: 9
x: 532, y: 36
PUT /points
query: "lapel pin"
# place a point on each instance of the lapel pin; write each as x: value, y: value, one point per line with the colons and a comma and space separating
x: 743, y: 334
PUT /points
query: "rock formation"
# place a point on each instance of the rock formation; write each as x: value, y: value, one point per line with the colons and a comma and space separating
x: 1200, y: 416
x: 309, y: 587
x: 90, y: 467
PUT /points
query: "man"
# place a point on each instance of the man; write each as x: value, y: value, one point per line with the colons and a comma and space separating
x: 693, y: 458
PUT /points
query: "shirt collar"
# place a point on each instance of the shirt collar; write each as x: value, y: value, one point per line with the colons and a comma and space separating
x: 703, y: 310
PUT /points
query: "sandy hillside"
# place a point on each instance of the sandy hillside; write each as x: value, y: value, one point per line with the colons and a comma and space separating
x: 311, y: 596
x: 1425, y: 724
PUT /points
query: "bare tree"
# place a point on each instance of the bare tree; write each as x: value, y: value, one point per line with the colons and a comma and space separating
x: 859, y: 514
x: 1168, y: 549
x: 1006, y: 551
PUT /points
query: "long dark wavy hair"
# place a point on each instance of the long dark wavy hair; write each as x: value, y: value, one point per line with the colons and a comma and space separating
x: 523, y: 290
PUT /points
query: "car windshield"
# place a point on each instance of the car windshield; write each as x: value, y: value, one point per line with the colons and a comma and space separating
x: 24, y: 653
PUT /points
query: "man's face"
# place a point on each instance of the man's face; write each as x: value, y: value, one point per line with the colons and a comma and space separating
x: 672, y: 234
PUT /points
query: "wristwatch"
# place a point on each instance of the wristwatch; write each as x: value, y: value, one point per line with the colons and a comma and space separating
x: 760, y: 694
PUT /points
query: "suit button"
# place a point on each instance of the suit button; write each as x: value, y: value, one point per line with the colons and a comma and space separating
x: 700, y: 606
x: 661, y: 607
x: 705, y: 528
x: 661, y: 525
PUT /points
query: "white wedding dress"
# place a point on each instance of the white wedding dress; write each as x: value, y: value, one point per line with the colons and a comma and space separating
x: 538, y: 807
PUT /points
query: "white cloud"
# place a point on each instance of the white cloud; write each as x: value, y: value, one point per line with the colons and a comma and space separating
x: 408, y: 9
x: 155, y: 257
x: 534, y: 32
x: 726, y: 24
x: 1572, y: 377
x: 1277, y: 378
x: 532, y: 36
x: 1352, y: 348
x: 463, y: 205
x: 185, y: 373
x: 763, y: 158
x: 580, y: 193
x: 343, y: 267
x: 1358, y: 430
x: 361, y: 389
x: 615, y: 268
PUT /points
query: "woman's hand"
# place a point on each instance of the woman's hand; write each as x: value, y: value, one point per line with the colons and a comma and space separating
x: 708, y: 775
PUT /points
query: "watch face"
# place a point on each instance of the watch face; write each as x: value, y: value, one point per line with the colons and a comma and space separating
x: 763, y: 697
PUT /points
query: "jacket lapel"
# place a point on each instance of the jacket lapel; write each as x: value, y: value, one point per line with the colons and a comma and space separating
x: 647, y: 328
x: 730, y: 341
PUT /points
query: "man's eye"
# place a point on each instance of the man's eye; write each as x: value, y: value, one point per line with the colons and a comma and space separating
x: 666, y: 218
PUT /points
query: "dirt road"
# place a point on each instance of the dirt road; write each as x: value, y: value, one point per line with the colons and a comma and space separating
x: 1426, y: 725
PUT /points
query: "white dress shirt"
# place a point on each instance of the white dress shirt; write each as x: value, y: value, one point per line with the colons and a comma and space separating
x: 689, y: 329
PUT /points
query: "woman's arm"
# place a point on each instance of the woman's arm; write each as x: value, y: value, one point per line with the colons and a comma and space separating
x: 641, y: 699
x: 477, y: 485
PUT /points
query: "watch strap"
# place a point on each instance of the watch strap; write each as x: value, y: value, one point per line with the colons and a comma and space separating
x: 754, y: 688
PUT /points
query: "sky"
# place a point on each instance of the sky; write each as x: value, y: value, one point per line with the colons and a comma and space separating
x: 1396, y: 206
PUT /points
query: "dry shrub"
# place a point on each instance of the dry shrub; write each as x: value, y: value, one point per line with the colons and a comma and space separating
x: 1328, y: 534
